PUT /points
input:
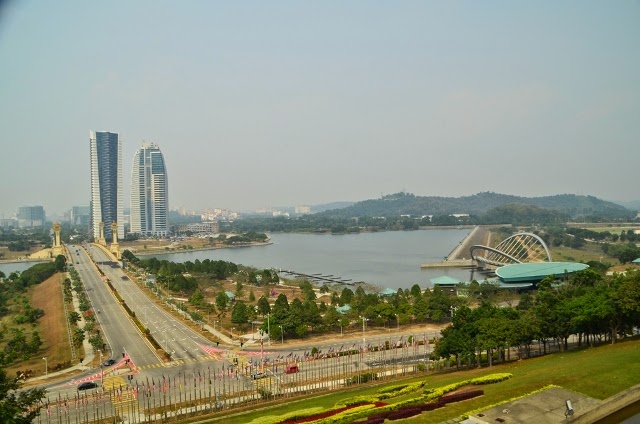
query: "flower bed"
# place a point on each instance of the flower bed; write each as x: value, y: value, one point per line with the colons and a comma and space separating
x: 404, y: 413
x: 458, y: 397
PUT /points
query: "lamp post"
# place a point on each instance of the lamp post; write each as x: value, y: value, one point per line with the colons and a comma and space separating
x: 268, y: 330
x: 101, y: 372
x: 232, y: 328
x: 397, y: 321
x: 341, y: 334
x: 46, y: 366
x: 281, y: 333
x: 364, y: 342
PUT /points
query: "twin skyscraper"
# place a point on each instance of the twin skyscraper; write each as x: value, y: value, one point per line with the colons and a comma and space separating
x: 149, y: 188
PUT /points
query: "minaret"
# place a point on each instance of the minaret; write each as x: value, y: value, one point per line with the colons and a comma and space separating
x: 101, y: 240
x: 115, y: 249
x: 57, y: 247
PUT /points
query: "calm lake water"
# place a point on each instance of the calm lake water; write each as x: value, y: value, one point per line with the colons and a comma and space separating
x: 9, y: 267
x: 388, y: 259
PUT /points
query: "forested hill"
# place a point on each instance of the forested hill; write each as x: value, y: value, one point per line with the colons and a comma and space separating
x: 477, y: 204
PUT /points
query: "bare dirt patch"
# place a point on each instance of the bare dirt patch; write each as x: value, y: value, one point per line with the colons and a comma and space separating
x: 52, y: 328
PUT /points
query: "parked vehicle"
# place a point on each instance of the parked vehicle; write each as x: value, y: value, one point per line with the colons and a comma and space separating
x: 258, y: 375
x: 109, y: 362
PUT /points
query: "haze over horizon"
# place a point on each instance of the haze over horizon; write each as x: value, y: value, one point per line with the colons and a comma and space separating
x: 265, y: 104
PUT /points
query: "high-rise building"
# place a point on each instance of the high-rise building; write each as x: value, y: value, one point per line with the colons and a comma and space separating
x: 30, y: 216
x: 106, y: 183
x: 149, y: 192
x: 80, y: 215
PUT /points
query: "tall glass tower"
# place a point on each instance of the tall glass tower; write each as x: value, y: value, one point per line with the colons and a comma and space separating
x: 106, y: 183
x: 149, y: 192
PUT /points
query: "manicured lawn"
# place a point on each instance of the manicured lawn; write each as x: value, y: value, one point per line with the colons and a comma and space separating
x: 596, y: 372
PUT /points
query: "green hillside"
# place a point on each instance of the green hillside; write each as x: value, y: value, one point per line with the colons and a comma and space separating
x: 478, y: 204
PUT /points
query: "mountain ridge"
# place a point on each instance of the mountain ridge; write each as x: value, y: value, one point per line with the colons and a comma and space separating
x: 477, y: 204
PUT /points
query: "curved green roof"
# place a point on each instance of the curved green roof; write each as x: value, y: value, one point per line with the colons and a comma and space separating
x: 536, y: 271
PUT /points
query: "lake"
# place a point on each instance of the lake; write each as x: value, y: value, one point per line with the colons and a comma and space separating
x: 9, y: 267
x: 388, y: 259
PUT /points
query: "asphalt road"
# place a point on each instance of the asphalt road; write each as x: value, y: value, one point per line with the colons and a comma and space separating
x: 181, y: 341
x: 119, y: 332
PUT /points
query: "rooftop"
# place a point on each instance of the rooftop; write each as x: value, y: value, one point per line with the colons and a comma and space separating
x: 536, y: 271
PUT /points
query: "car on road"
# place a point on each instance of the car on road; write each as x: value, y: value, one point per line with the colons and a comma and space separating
x: 291, y: 369
x: 109, y: 362
x: 87, y: 385
x: 258, y: 375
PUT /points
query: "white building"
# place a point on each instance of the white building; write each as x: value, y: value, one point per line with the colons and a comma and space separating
x: 106, y: 183
x: 149, y: 192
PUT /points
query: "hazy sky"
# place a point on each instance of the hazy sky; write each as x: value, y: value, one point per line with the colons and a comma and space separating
x: 272, y: 103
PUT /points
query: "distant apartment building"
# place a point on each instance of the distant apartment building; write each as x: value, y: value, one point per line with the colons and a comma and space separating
x: 8, y: 222
x: 80, y: 215
x: 31, y: 216
x: 106, y: 183
x: 196, y: 228
x: 303, y: 209
x: 217, y: 214
x: 149, y: 193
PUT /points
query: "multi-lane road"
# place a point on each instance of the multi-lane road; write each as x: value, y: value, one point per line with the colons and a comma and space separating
x: 193, y: 355
x: 174, y: 337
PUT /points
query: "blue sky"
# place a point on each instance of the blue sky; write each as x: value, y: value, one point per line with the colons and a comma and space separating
x: 261, y: 104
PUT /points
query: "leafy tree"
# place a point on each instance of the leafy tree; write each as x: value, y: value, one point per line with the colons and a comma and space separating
x: 280, y: 310
x: 239, y: 314
x: 197, y: 298
x: 263, y: 306
x: 222, y: 301
x: 60, y: 263
x: 78, y: 337
x: 307, y: 290
x: 18, y: 406
x: 346, y: 296
x: 252, y: 296
x: 74, y: 317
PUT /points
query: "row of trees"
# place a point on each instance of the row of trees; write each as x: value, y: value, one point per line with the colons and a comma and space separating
x: 594, y: 307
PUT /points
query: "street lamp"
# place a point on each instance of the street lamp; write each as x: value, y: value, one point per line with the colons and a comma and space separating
x: 101, y: 372
x: 281, y: 333
x: 397, y: 321
x: 46, y: 366
x: 268, y: 330
x: 232, y: 328
x: 364, y: 342
x: 341, y: 328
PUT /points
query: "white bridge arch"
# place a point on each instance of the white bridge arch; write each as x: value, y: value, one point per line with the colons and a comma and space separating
x: 516, y: 249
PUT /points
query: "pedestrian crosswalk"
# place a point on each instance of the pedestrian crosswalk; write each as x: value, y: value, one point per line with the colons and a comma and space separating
x: 176, y: 362
x: 122, y: 397
x: 113, y: 383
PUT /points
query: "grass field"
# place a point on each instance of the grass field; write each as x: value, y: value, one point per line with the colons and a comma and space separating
x: 596, y: 372
x: 52, y: 328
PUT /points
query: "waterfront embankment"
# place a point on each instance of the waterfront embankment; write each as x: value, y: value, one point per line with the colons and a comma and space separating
x: 169, y: 250
x: 460, y: 256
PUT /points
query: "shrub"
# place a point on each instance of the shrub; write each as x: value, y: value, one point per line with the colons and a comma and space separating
x: 404, y: 413
x: 458, y: 397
